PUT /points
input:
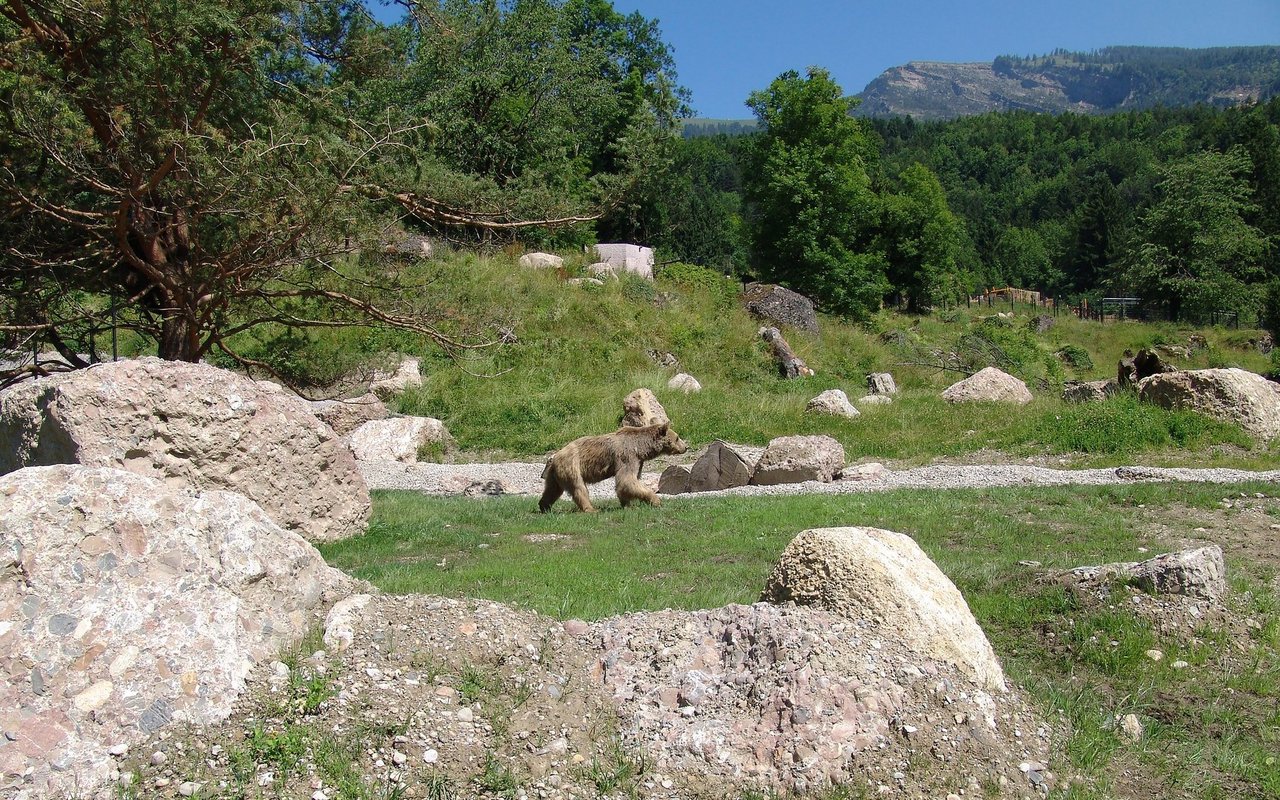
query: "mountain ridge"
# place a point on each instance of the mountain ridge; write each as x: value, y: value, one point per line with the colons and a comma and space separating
x: 1108, y: 80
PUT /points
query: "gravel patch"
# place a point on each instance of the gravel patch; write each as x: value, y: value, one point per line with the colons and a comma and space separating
x: 524, y: 478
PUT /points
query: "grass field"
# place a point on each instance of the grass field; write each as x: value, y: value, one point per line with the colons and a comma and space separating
x: 1213, y: 728
x: 575, y: 351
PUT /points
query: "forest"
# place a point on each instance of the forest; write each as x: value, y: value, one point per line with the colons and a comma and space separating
x: 188, y: 172
x: 1176, y: 206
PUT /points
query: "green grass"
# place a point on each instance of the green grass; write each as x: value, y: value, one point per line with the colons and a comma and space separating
x: 580, y: 350
x: 1212, y: 730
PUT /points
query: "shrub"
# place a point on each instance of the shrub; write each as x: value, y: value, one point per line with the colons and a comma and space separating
x: 1075, y: 357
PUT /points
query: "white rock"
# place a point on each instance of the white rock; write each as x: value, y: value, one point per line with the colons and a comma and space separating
x: 641, y: 408
x: 407, y: 376
x: 398, y: 439
x: 885, y: 579
x: 541, y: 261
x: 794, y: 459
x: 630, y: 258
x: 989, y: 385
x: 833, y: 402
x: 685, y: 383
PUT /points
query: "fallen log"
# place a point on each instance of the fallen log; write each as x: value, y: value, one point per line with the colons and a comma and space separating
x: 790, y: 365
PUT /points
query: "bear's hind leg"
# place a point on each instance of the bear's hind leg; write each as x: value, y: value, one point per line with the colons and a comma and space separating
x: 550, y: 494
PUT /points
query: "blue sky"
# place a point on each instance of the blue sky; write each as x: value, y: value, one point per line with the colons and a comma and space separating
x: 725, y: 49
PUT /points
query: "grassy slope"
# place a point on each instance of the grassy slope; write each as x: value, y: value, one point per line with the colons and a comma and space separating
x: 582, y: 349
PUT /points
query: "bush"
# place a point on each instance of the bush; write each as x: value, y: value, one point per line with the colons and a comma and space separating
x: 1075, y: 357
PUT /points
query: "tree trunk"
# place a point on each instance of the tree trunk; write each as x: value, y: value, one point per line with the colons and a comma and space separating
x: 790, y: 365
x: 179, y: 337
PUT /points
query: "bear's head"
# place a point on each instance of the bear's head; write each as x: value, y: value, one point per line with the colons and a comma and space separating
x: 671, y: 442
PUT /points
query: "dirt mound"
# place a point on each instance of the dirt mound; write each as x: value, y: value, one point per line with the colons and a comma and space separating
x: 474, y: 698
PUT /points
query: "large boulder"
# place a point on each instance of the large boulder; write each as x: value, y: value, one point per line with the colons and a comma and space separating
x: 399, y: 439
x: 781, y: 306
x: 630, y: 258
x: 1089, y: 391
x: 195, y: 424
x: 795, y: 459
x: 1231, y: 395
x: 832, y: 402
x: 344, y: 416
x: 127, y: 602
x: 989, y: 385
x: 885, y: 578
x: 641, y: 409
x: 408, y: 375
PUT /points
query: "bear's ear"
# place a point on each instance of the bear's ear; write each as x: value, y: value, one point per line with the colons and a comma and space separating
x: 662, y: 429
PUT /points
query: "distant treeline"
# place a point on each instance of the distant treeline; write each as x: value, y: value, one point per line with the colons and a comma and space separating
x: 1181, y: 206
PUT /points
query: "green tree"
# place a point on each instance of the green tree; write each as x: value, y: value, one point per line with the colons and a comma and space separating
x: 923, y: 242
x: 814, y: 216
x: 1196, y: 253
x: 192, y: 170
x: 546, y: 107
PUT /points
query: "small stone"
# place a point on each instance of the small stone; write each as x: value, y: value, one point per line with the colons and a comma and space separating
x: 118, y: 750
x: 1131, y: 727
x: 1179, y: 664
x: 667, y: 783
x: 465, y: 714
x: 431, y: 756
x: 1154, y: 655
x: 319, y: 794
x: 162, y: 783
x: 158, y: 758
x: 188, y: 788
x: 398, y: 758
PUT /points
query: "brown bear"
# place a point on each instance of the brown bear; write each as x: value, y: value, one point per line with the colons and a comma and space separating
x: 619, y: 455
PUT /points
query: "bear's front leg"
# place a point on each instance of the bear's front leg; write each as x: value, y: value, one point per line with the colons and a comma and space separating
x: 580, y: 496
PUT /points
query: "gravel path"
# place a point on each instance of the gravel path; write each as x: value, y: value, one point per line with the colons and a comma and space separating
x: 525, y: 478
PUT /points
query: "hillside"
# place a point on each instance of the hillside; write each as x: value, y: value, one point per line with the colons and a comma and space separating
x: 1108, y: 80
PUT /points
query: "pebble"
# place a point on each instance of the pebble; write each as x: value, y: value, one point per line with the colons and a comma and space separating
x: 398, y: 758
x: 188, y: 788
x: 1131, y: 727
x: 118, y: 750
x: 1179, y: 664
x: 431, y: 756
x: 465, y: 714
x: 158, y: 758
x: 1154, y: 655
